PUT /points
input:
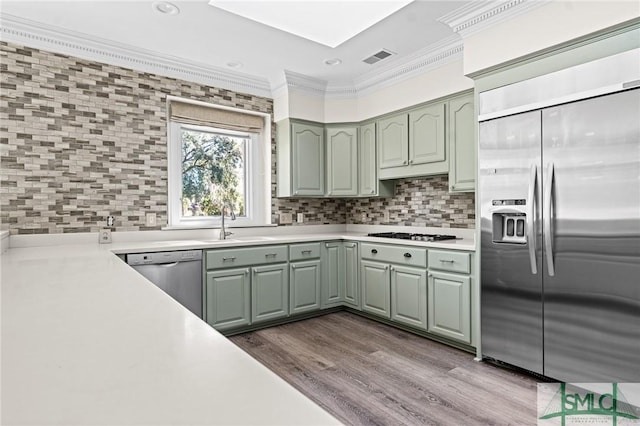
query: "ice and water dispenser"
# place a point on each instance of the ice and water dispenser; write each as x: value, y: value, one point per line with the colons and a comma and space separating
x: 509, y: 221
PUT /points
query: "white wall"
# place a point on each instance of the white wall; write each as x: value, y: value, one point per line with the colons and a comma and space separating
x: 546, y: 26
x: 436, y: 83
x: 442, y: 81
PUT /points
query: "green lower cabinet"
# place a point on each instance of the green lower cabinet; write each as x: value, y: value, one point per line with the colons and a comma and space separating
x: 449, y: 302
x: 374, y: 279
x: 351, y: 279
x: 269, y: 292
x: 409, y: 296
x: 227, y: 298
x: 304, y: 286
x: 333, y: 275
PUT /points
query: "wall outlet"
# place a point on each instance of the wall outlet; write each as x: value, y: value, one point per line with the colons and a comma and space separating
x: 363, y: 217
x: 151, y: 219
x: 104, y: 236
x: 385, y: 216
x: 286, y: 218
x: 111, y: 221
x: 300, y: 218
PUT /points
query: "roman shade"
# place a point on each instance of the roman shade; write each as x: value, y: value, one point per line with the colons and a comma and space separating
x: 200, y: 115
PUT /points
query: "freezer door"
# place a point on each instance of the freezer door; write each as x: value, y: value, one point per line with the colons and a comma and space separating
x: 591, y: 159
x: 511, y: 280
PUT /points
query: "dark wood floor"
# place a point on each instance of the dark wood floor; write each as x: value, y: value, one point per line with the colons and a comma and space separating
x: 367, y: 373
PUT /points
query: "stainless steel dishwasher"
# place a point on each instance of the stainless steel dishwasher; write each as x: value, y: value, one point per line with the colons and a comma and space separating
x: 177, y: 273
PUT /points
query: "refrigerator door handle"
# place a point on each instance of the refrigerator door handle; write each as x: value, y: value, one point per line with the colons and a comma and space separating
x: 531, y: 213
x: 548, y: 219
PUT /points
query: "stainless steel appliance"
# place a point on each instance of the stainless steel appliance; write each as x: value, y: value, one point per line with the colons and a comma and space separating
x: 559, y: 193
x: 414, y: 237
x: 178, y: 273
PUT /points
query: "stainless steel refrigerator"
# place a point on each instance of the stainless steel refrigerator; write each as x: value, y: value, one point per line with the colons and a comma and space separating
x: 559, y: 193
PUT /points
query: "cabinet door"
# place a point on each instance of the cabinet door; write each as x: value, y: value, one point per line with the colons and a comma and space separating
x: 333, y: 277
x: 450, y: 306
x: 351, y: 279
x: 462, y: 144
x: 409, y: 296
x: 227, y: 298
x: 427, y: 135
x: 367, y: 179
x: 304, y: 287
x: 393, y: 137
x: 342, y: 161
x: 375, y: 288
x: 308, y: 159
x: 269, y: 292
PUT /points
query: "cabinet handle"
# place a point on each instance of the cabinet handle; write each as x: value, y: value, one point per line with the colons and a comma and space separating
x: 404, y: 162
x: 306, y: 251
x: 232, y: 258
x: 386, y: 267
x: 407, y: 255
x: 293, y: 266
x: 246, y: 272
x: 447, y: 261
x: 391, y: 268
x: 270, y: 254
x: 430, y: 275
x: 374, y: 251
x: 410, y: 161
x: 351, y: 246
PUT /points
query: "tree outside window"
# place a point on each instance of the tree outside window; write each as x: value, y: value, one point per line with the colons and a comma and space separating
x: 213, y: 172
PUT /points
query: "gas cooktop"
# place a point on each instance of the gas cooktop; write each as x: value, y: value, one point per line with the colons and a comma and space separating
x: 414, y: 237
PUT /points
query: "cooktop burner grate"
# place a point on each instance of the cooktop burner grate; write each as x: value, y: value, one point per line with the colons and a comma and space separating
x: 414, y: 237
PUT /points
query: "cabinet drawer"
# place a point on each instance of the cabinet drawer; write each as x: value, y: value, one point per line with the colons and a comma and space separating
x: 450, y: 261
x: 410, y: 256
x: 245, y: 256
x: 304, y: 251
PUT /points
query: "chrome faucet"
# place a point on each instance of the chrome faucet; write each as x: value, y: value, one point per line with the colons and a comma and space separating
x: 223, y: 232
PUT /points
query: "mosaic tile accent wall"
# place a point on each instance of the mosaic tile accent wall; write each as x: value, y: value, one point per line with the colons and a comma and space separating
x: 80, y: 140
x: 417, y: 202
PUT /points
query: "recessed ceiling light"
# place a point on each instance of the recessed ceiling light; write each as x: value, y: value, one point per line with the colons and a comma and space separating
x: 234, y: 64
x: 166, y: 8
x: 333, y: 61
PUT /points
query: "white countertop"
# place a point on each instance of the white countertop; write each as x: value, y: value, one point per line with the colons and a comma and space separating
x: 87, y: 340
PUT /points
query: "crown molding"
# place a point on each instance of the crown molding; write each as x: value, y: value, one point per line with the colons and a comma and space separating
x: 476, y: 16
x: 41, y: 36
x: 433, y: 56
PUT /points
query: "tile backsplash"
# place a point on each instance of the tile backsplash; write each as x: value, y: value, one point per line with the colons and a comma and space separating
x: 80, y: 140
x: 417, y: 202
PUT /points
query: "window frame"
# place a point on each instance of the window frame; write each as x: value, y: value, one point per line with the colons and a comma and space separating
x: 258, y: 174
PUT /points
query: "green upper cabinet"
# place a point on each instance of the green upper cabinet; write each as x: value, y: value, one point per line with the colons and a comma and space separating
x: 300, y: 150
x: 413, y: 143
x: 368, y: 183
x: 393, y: 136
x: 427, y: 135
x: 462, y: 144
x: 308, y: 159
x: 342, y: 161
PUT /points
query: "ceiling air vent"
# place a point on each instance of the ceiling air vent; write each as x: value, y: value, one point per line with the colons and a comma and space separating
x: 376, y: 57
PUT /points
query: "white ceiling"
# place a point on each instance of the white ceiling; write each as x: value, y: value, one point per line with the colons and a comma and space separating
x: 213, y: 37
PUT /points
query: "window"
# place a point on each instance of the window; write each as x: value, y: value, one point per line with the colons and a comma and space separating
x: 215, y: 162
